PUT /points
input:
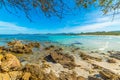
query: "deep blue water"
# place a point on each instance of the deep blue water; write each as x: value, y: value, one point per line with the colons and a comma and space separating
x: 84, y: 42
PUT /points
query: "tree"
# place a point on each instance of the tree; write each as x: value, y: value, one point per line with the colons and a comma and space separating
x: 56, y: 7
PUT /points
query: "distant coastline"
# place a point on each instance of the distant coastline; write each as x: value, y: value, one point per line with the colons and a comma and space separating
x: 102, y: 33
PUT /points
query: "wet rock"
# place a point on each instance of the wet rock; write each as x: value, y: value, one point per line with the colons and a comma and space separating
x: 111, y: 52
x: 108, y: 75
x: 51, y: 47
x: 64, y: 59
x: 111, y: 61
x: 10, y: 62
x: 116, y: 55
x: 85, y: 56
x: 34, y: 44
x: 94, y: 78
x: 19, y: 47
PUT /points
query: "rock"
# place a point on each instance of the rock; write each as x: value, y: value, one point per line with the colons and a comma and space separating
x: 81, y: 78
x: 19, y: 47
x: 50, y: 47
x: 15, y: 43
x: 15, y: 75
x: 93, y: 78
x: 116, y: 55
x: 10, y: 62
x: 26, y: 76
x: 1, y: 57
x: 50, y: 76
x: 85, y: 56
x: 108, y: 75
x: 34, y: 44
x: 67, y: 76
x: 64, y: 59
x: 37, y: 73
x: 4, y: 76
x: 111, y: 60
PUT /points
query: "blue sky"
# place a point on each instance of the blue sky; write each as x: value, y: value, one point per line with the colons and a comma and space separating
x: 84, y: 20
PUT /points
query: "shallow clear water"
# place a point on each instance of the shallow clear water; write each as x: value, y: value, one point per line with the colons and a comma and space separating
x: 101, y: 43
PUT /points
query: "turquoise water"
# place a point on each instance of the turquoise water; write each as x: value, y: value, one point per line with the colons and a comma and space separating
x: 101, y: 43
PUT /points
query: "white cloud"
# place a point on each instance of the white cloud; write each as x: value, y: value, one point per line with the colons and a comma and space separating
x: 11, y: 26
x: 97, y: 24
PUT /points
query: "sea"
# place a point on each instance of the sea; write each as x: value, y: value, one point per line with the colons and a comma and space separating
x: 84, y: 42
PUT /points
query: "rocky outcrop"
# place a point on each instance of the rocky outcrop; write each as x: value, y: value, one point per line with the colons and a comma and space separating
x: 64, y: 59
x: 19, y: 47
x: 10, y: 68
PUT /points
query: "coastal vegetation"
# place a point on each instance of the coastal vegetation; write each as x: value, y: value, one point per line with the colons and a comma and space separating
x: 101, y: 33
x: 116, y: 33
x: 57, y: 8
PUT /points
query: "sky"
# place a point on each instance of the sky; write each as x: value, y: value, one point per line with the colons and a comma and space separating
x: 84, y: 20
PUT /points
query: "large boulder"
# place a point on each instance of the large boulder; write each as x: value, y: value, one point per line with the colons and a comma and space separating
x: 10, y: 62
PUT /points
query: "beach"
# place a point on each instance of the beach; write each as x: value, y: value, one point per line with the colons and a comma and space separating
x: 45, y: 60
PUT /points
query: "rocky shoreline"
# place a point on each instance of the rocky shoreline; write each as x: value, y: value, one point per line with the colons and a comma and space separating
x: 33, y: 61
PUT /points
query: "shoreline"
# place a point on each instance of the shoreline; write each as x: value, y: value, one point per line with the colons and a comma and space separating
x: 62, y: 60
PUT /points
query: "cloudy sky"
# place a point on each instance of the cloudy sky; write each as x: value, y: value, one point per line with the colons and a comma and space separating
x: 85, y: 20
